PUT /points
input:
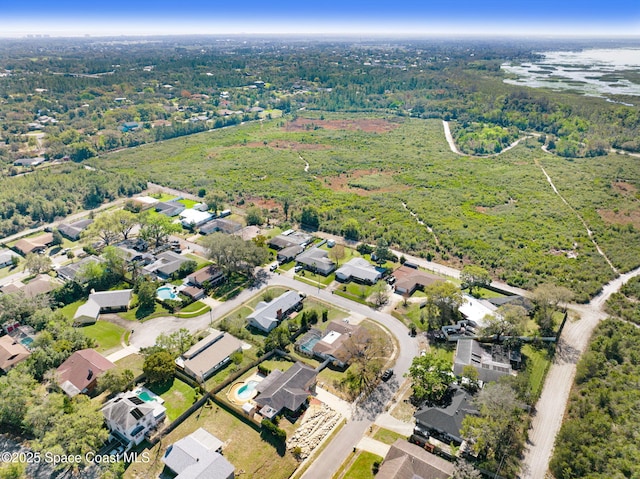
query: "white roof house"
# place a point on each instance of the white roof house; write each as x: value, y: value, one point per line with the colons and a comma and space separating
x: 197, y: 456
x: 102, y: 302
x: 209, y: 354
x: 5, y: 257
x: 267, y: 315
x: 476, y: 309
x: 131, y: 418
x: 192, y: 218
x: 358, y: 269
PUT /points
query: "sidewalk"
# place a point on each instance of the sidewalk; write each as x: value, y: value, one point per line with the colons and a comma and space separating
x: 376, y: 447
x: 123, y: 353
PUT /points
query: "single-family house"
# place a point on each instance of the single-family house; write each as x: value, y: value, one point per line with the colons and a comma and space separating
x: 170, y: 208
x: 222, y: 225
x: 338, y: 343
x: 34, y: 244
x: 208, y: 275
x: 41, y: 284
x: 6, y: 257
x: 193, y: 292
x: 11, y: 352
x: 193, y: 218
x: 102, y: 302
x: 476, y: 310
x: 290, y: 238
x: 80, y: 372
x: 70, y: 271
x: 289, y: 253
x: 209, y: 354
x: 408, y: 280
x: 166, y: 264
x: 316, y: 260
x: 360, y: 270
x: 444, y: 421
x: 129, y: 125
x: 75, y: 229
x: 409, y: 461
x: 198, y: 456
x: 144, y: 202
x: 267, y: 316
x: 130, y: 418
x: 491, y: 361
x: 132, y: 254
x: 285, y: 391
x: 29, y: 161
x: 514, y: 300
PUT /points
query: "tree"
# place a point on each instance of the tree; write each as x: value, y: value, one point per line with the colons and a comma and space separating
x: 285, y: 208
x: 115, y: 380
x: 159, y: 367
x: 497, y: 433
x: 351, y: 229
x: 474, y: 277
x: 234, y: 255
x: 368, y: 351
x: 177, y: 342
x: 509, y: 320
x: 79, y: 431
x: 337, y: 253
x: 17, y: 394
x: 146, y: 292
x: 254, y: 216
x: 471, y: 374
x: 278, y: 338
x: 309, y: 218
x: 443, y: 303
x: 124, y: 222
x: 382, y: 252
x: 114, y: 262
x: 465, y: 470
x: 57, y: 238
x: 15, y: 261
x: 547, y: 298
x: 431, y: 376
x: 104, y: 227
x: 157, y: 228
x: 37, y: 263
x: 380, y: 294
x: 215, y: 201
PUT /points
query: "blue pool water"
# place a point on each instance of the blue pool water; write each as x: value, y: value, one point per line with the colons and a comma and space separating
x: 166, y: 292
x: 246, y: 390
x: 308, y: 346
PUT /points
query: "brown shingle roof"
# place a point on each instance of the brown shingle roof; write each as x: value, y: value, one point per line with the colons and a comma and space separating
x: 408, y: 461
x: 27, y: 245
x: 11, y: 352
x: 81, y: 370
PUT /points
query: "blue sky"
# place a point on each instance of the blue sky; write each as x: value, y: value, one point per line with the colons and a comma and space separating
x: 557, y: 17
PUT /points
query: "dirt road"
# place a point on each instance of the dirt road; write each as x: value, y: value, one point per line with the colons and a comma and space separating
x: 553, y: 402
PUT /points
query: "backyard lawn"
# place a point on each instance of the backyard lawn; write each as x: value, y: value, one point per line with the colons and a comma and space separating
x: 133, y: 362
x: 244, y: 447
x: 108, y: 335
x: 178, y: 397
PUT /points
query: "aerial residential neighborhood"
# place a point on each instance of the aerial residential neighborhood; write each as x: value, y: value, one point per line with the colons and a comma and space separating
x: 227, y: 256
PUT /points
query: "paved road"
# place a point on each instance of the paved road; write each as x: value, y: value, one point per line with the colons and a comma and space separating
x: 553, y: 401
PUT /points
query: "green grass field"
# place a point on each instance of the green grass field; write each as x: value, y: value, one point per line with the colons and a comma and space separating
x: 362, y: 467
x: 177, y: 395
x: 108, y: 335
x: 387, y: 436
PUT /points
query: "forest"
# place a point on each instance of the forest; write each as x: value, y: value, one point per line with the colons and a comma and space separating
x: 599, y: 438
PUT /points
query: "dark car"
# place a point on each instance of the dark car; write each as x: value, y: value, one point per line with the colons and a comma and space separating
x: 387, y: 374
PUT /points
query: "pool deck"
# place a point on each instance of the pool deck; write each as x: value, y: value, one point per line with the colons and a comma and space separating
x: 233, y: 390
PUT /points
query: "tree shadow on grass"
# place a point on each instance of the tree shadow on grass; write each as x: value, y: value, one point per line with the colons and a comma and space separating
x: 161, y: 388
x: 142, y: 313
x: 278, y: 445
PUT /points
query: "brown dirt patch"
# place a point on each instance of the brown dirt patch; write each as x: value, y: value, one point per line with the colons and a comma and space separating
x: 341, y: 183
x: 372, y: 125
x: 263, y: 203
x: 289, y: 145
x: 481, y: 209
x: 624, y: 187
x: 621, y: 217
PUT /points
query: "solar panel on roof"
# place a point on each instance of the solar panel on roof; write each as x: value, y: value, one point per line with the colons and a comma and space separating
x: 136, y: 400
x: 136, y: 413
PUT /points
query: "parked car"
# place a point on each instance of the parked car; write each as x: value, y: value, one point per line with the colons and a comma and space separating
x: 273, y: 267
x: 387, y: 374
x: 298, y: 268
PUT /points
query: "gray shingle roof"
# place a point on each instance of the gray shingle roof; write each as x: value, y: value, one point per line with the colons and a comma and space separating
x: 447, y: 418
x: 288, y: 389
x: 316, y: 258
x: 195, y: 456
x: 266, y: 315
x: 121, y: 410
x: 360, y: 269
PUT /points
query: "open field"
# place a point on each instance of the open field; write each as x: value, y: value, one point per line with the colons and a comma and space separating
x: 497, y: 212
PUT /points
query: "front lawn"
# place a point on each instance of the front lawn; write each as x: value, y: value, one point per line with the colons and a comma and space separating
x: 69, y: 311
x: 133, y: 362
x: 387, y: 436
x: 135, y: 314
x: 107, y: 335
x: 362, y: 467
x: 202, y: 262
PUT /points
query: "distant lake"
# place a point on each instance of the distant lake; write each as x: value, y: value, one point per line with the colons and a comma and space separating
x: 597, y: 72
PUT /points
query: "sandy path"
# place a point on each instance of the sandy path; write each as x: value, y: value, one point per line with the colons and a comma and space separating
x: 454, y: 148
x: 553, y: 402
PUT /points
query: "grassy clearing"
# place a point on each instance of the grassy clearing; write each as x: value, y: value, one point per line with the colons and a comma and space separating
x: 133, y: 362
x: 387, y: 436
x: 196, y: 306
x: 315, y: 278
x: 202, y: 262
x: 107, y: 335
x: 188, y: 203
x: 70, y: 309
x: 362, y: 467
x: 538, y: 363
x: 177, y: 395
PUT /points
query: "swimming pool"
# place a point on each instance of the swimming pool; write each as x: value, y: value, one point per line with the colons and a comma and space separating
x: 247, y: 390
x: 167, y: 292
x: 307, y: 347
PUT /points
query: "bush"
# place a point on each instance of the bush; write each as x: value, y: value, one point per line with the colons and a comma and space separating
x: 273, y: 430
